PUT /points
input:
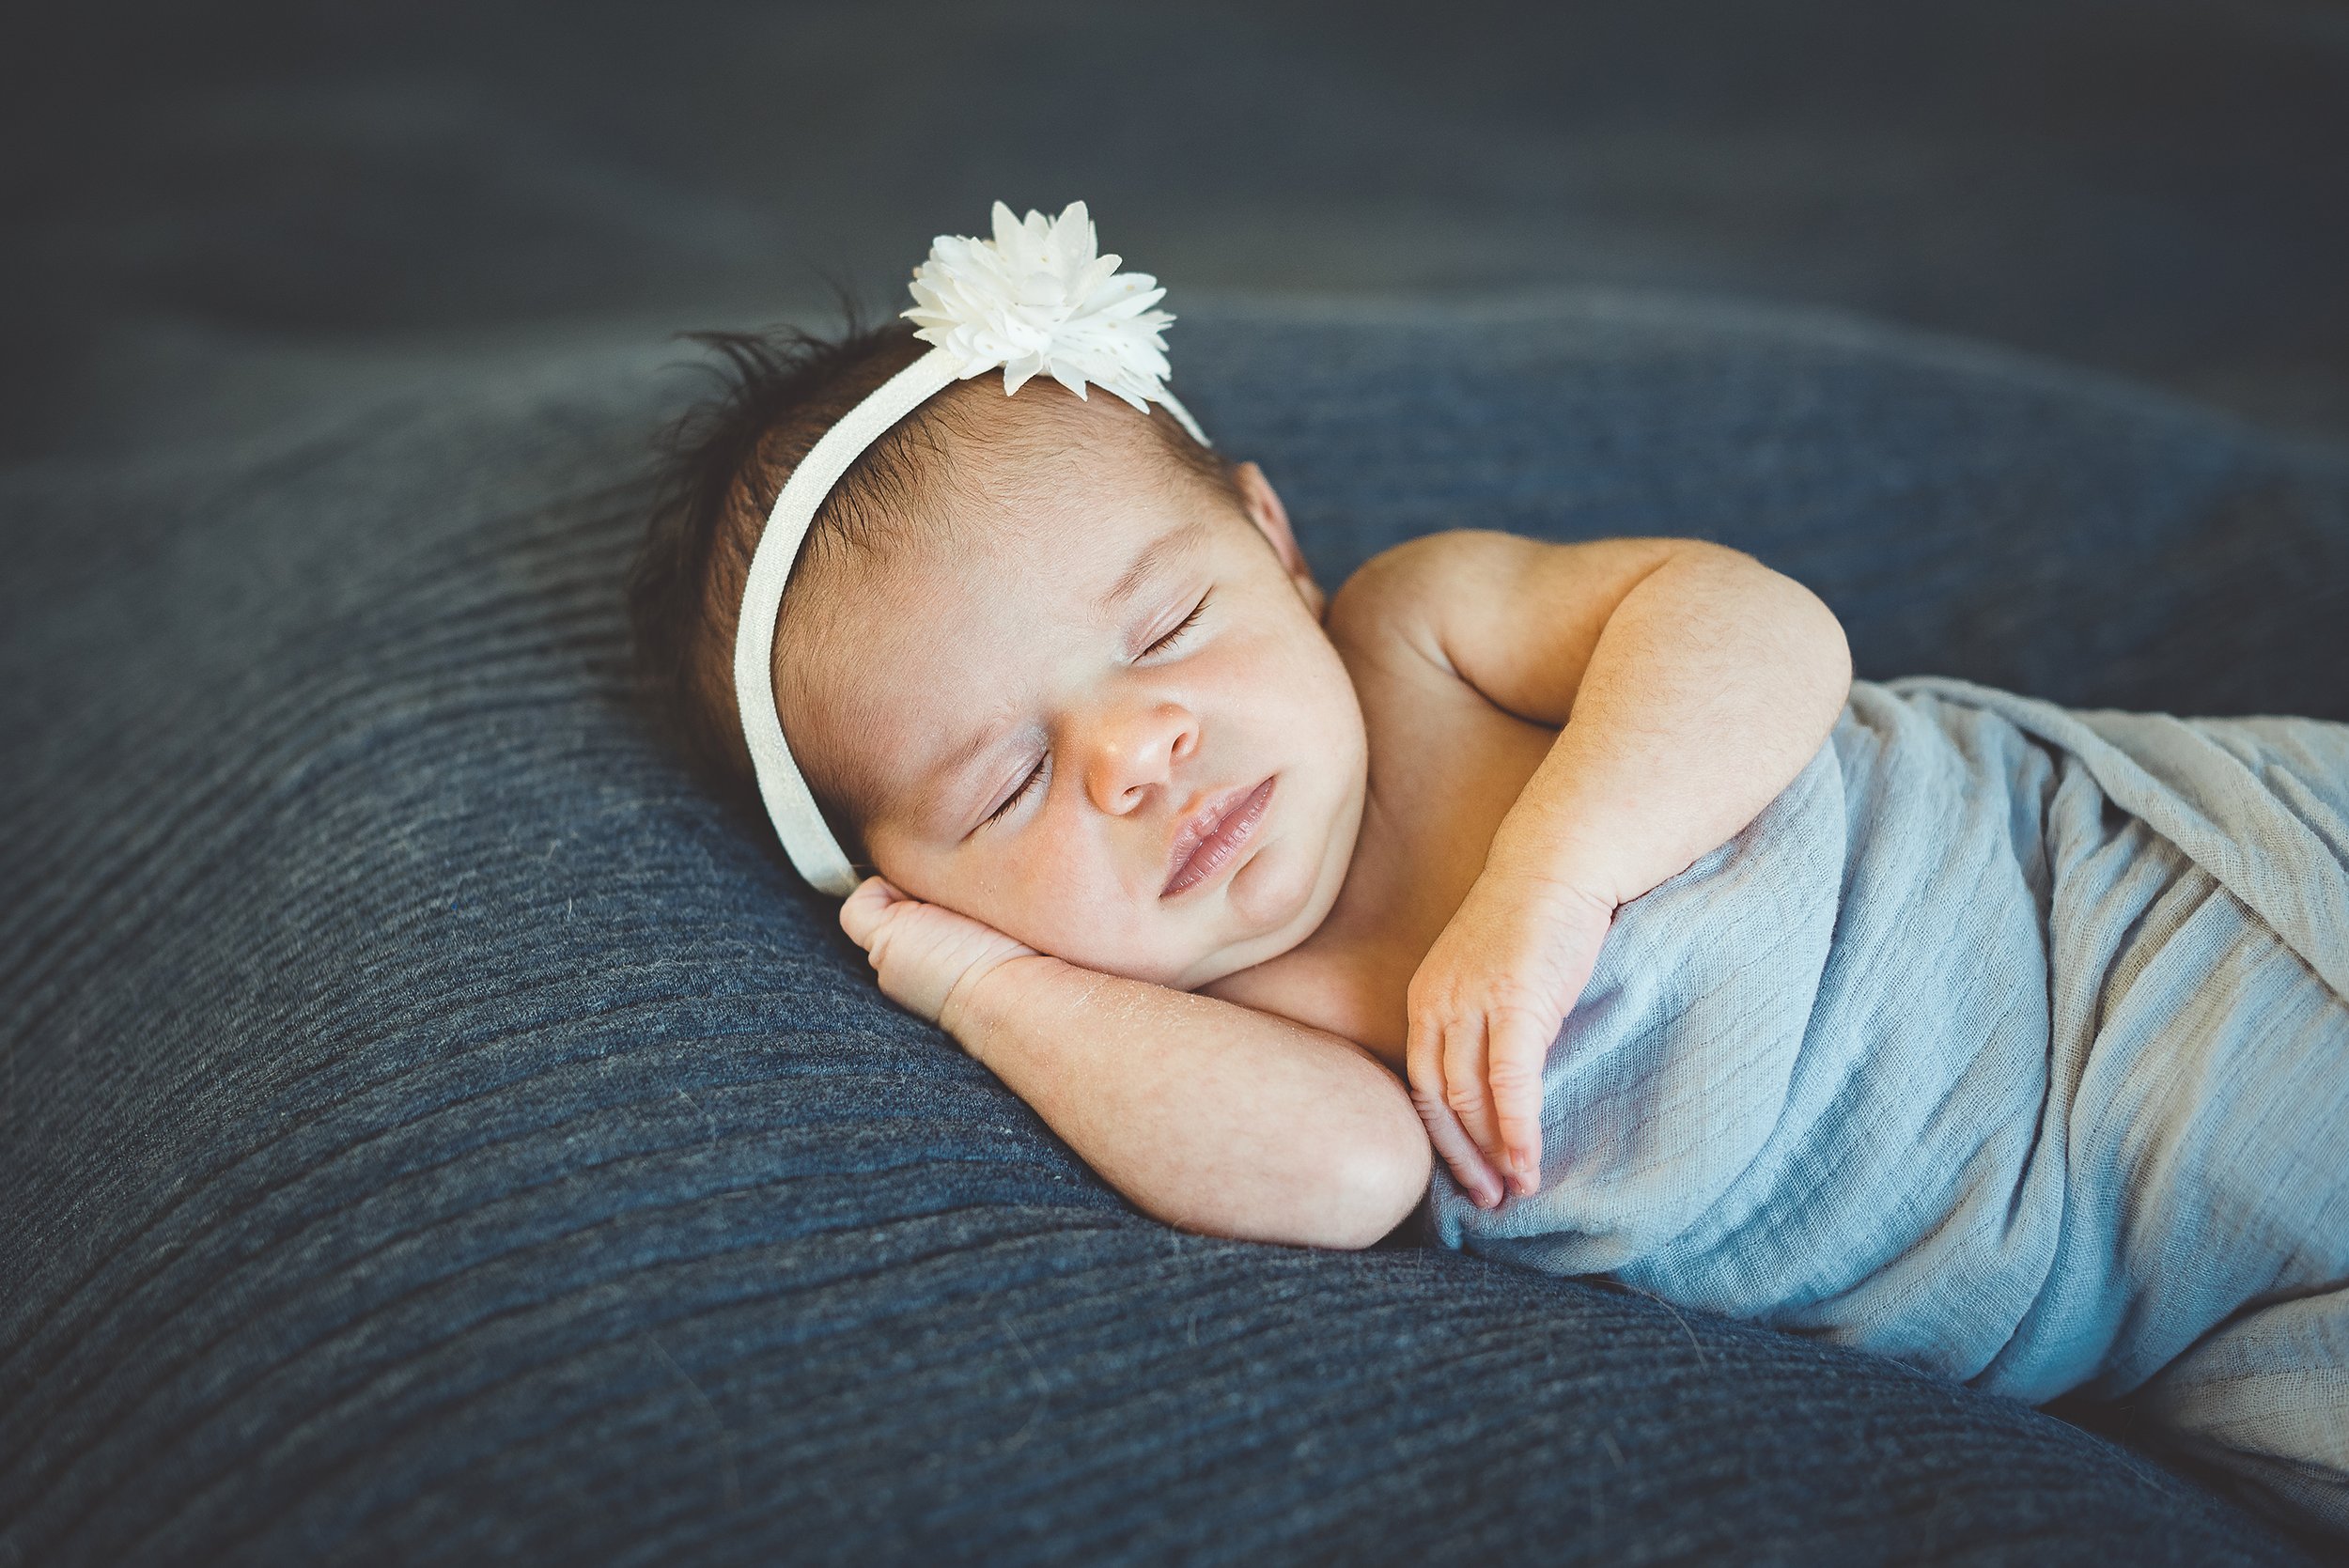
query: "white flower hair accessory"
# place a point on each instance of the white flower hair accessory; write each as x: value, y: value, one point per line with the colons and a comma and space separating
x: 1039, y: 301
x: 1036, y: 300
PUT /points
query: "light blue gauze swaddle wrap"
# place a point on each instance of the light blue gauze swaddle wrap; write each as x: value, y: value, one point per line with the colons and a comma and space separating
x: 2010, y: 1041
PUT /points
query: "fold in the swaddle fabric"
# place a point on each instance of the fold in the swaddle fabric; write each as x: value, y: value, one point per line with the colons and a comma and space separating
x: 2009, y: 1041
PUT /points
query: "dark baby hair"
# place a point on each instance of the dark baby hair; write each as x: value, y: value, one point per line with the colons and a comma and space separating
x: 721, y: 465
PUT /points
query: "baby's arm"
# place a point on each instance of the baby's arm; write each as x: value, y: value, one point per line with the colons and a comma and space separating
x: 1692, y: 683
x: 1209, y: 1115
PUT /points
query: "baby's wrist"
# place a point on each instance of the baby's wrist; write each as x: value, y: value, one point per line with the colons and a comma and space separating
x: 987, y: 994
x: 1553, y: 876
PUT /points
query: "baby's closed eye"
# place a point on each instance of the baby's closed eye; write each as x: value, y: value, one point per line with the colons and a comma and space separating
x: 1187, y: 622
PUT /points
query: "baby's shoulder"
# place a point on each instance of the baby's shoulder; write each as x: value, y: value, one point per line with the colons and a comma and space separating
x: 1396, y: 605
x: 1430, y: 571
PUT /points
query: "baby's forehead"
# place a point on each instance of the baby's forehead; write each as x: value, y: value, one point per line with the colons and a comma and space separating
x: 1043, y: 483
x: 1043, y: 434
x: 1047, y: 556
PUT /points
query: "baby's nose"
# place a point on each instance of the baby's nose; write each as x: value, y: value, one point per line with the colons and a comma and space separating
x: 1135, y: 748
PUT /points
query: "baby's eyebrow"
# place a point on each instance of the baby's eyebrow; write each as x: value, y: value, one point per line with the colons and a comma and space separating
x: 951, y: 767
x: 1153, y: 556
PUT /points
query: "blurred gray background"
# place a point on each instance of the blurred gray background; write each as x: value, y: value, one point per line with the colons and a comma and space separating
x: 215, y: 212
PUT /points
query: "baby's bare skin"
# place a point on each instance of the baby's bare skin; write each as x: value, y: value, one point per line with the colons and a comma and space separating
x: 1445, y: 766
x: 1494, y: 850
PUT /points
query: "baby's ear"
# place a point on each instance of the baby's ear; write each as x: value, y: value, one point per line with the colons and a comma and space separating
x: 1272, y: 520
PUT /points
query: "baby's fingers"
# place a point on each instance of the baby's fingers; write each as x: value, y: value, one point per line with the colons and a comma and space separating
x: 1424, y: 1061
x: 861, y: 912
x: 1518, y: 1048
x: 1465, y: 1070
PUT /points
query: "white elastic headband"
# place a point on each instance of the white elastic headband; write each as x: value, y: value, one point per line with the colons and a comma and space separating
x: 1034, y: 300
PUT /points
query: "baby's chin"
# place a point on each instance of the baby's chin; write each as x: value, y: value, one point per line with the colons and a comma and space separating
x: 1182, y: 967
x: 1280, y: 895
x: 1272, y: 903
x: 1254, y: 918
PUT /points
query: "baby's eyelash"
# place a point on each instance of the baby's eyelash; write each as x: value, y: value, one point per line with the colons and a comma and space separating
x: 1169, y: 639
x: 1033, y: 773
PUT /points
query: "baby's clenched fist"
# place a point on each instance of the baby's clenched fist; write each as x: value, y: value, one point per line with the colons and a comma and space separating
x: 929, y: 957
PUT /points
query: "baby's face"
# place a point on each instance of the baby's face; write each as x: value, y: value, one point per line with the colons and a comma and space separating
x: 1047, y: 700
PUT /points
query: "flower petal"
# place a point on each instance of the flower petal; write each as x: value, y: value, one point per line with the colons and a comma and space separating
x: 1041, y: 298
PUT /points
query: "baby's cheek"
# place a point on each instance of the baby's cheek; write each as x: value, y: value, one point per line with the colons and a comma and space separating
x: 1094, y: 925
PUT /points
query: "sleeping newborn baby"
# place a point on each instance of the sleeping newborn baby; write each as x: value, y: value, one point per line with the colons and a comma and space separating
x: 2004, y: 1040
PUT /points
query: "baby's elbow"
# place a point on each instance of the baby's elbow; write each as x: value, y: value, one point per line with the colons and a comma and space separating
x: 1815, y: 650
x: 1379, y: 1186
x: 1833, y: 652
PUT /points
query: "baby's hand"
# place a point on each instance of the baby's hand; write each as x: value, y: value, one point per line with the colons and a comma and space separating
x: 927, y: 955
x: 1485, y: 1005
